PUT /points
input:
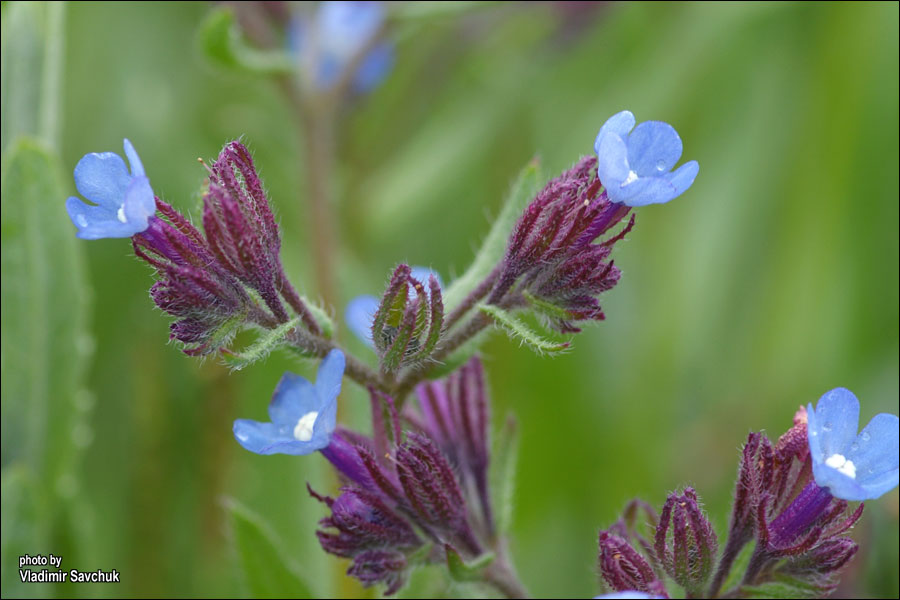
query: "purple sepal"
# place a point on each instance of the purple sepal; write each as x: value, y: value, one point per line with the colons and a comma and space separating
x: 691, y: 555
x: 551, y: 256
x: 192, y: 286
x: 625, y: 569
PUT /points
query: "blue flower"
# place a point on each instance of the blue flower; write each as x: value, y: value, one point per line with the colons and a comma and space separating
x: 303, y: 414
x: 123, y: 202
x: 634, y: 164
x: 340, y: 30
x: 851, y: 466
x: 360, y: 311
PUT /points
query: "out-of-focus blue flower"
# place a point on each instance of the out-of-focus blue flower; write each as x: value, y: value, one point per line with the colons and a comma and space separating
x: 634, y: 164
x: 326, y: 44
x: 851, y: 466
x: 303, y: 414
x: 123, y: 201
x: 360, y: 311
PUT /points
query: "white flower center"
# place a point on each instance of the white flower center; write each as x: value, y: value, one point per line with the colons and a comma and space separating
x: 121, y: 214
x: 303, y: 432
x: 837, y: 461
x: 632, y: 177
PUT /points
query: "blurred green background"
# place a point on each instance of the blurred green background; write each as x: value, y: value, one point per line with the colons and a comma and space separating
x: 773, y: 280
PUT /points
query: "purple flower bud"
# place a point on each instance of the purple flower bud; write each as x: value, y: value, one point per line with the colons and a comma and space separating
x: 243, y: 234
x: 551, y: 253
x: 623, y: 568
x: 432, y: 490
x: 380, y: 566
x: 409, y: 320
x: 192, y: 285
x: 455, y: 414
x: 690, y: 557
x: 362, y: 521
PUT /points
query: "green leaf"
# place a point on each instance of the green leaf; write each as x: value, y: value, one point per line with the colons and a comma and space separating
x: 524, y: 189
x: 461, y: 570
x: 503, y: 473
x: 268, y: 571
x: 518, y: 330
x: 786, y: 587
x: 222, y: 43
x: 263, y: 345
x: 44, y: 334
x: 24, y: 531
x: 738, y: 567
x: 32, y: 43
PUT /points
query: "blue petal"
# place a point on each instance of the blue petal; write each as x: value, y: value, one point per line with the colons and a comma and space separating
x: 328, y: 383
x: 840, y: 485
x: 876, y: 453
x: 264, y: 438
x: 643, y: 191
x: 139, y: 204
x: 103, y: 179
x: 359, y: 315
x: 653, y: 148
x: 137, y: 168
x: 374, y: 67
x: 877, y: 486
x: 683, y: 177
x: 345, y: 27
x: 294, y: 397
x: 620, y: 124
x: 96, y: 222
x: 834, y: 422
x: 612, y: 161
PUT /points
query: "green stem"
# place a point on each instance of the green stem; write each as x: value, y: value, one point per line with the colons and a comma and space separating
x: 501, y: 575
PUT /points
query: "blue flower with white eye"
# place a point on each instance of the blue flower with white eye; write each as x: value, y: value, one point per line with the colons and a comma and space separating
x: 360, y: 311
x: 326, y: 44
x: 303, y: 414
x: 634, y: 164
x: 123, y: 201
x: 851, y: 466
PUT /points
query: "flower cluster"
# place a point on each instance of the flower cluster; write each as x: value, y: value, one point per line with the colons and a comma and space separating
x: 787, y: 498
x: 552, y: 262
x: 404, y: 488
x: 208, y: 280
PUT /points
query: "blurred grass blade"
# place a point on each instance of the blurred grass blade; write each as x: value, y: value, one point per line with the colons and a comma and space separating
x: 221, y: 41
x: 23, y: 532
x: 525, y: 187
x: 268, y: 570
x: 433, y: 10
x: 45, y: 344
x: 503, y: 473
x: 32, y: 43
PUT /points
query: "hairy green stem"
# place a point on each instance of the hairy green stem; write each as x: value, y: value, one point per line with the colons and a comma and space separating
x: 501, y: 575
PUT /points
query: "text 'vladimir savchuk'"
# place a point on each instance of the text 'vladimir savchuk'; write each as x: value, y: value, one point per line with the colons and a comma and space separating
x: 54, y: 574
